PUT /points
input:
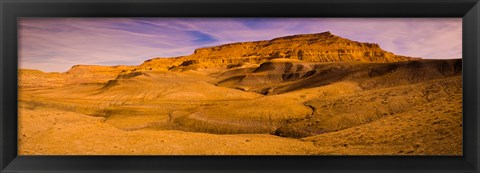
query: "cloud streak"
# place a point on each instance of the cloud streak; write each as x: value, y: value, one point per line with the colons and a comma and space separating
x: 56, y: 44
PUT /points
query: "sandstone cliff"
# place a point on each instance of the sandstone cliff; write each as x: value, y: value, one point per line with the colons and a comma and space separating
x: 320, y: 47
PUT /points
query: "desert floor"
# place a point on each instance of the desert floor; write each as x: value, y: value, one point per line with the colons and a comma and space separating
x: 396, y: 111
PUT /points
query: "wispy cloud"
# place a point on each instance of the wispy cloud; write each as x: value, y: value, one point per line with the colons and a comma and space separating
x: 56, y: 44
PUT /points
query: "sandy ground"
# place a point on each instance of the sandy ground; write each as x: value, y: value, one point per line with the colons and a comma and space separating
x: 53, y: 132
x: 194, y: 113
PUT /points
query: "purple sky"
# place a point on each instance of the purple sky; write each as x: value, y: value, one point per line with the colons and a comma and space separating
x: 56, y: 44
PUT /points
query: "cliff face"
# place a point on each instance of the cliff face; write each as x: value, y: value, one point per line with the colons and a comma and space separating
x: 321, y: 47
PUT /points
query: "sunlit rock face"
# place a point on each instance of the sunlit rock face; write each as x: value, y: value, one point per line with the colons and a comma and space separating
x: 321, y: 47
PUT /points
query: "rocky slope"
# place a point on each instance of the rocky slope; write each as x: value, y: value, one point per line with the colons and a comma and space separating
x: 282, y: 75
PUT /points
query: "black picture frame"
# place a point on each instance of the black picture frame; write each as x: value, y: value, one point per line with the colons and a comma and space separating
x: 10, y: 10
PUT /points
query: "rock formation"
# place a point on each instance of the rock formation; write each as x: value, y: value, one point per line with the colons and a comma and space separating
x: 320, y: 47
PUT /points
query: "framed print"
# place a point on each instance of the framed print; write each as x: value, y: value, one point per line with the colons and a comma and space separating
x: 256, y: 86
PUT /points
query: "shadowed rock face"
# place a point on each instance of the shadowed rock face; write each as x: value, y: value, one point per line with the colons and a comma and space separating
x: 276, y: 77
